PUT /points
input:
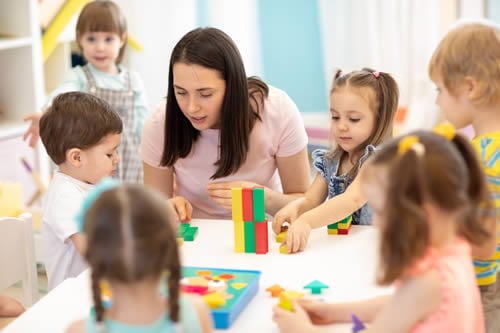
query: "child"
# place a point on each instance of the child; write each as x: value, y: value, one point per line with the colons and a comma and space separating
x: 101, y: 34
x: 81, y: 134
x: 362, y: 106
x: 133, y: 257
x: 426, y: 192
x: 466, y: 70
x: 221, y: 130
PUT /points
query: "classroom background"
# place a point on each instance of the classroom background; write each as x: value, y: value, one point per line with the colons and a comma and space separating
x: 295, y: 45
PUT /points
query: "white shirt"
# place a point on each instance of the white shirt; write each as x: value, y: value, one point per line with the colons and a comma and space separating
x: 61, y: 203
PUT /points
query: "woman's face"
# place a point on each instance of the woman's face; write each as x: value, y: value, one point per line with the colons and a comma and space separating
x: 199, y: 91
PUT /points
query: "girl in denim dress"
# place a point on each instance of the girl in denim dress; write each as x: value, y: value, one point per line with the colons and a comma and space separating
x: 362, y: 107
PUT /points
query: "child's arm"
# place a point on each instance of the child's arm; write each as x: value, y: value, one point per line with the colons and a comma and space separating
x: 76, y: 327
x: 332, y: 210
x: 486, y: 250
x: 204, y: 317
x: 79, y: 242
x: 9, y: 307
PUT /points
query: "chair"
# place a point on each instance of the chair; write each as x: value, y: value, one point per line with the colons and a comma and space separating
x: 17, y: 256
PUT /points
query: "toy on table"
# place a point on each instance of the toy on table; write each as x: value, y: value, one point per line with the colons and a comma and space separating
x: 226, y: 291
x: 275, y: 290
x: 340, y: 228
x: 186, y: 233
x: 37, y: 180
x: 358, y: 325
x: 249, y: 220
x: 316, y: 287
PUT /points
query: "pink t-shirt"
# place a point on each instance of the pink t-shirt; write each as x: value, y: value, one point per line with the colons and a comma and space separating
x: 460, y: 310
x: 281, y: 133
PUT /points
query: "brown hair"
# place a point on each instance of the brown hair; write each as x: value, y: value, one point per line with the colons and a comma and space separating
x: 213, y: 49
x: 382, y: 93
x: 447, y: 174
x: 76, y: 120
x: 102, y: 16
x: 131, y: 237
x: 470, y: 49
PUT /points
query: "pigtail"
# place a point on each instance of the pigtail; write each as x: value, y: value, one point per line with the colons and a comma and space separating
x: 96, y: 295
x: 406, y: 234
x: 472, y: 226
x: 173, y: 266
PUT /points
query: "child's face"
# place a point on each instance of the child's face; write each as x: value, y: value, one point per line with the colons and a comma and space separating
x: 101, y: 160
x: 352, y: 118
x: 102, y: 49
x: 455, y: 108
x: 199, y: 91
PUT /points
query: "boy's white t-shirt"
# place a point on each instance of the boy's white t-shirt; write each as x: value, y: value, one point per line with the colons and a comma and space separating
x: 61, y: 204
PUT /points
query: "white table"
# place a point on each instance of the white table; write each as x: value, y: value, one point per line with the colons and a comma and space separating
x: 346, y: 263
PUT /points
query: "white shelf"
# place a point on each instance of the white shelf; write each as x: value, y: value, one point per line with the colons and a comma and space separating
x: 10, y: 43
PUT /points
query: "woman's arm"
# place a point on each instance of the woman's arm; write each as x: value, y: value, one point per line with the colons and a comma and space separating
x: 159, y: 179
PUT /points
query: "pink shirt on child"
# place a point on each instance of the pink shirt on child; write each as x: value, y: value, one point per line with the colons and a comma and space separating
x: 281, y: 133
x: 460, y: 310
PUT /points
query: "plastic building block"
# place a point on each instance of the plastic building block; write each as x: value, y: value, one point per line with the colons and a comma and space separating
x: 280, y: 237
x: 237, y: 204
x: 247, y: 204
x: 239, y: 236
x: 190, y: 234
x: 275, y: 290
x: 316, y: 287
x: 259, y: 214
x: 358, y: 325
x: 340, y: 228
x: 286, y: 298
x: 249, y: 237
x: 261, y: 237
x: 283, y: 249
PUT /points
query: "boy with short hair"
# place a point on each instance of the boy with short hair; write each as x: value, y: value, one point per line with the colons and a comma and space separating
x: 81, y: 134
x: 466, y: 70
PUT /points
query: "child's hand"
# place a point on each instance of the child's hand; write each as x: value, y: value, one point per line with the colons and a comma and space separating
x: 319, y: 312
x: 182, y: 208
x: 289, y: 213
x: 292, y: 321
x: 220, y: 192
x: 33, y: 132
x: 297, y: 236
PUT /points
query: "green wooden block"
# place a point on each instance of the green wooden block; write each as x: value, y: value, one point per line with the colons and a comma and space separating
x: 259, y: 212
x: 333, y: 226
x: 190, y: 234
x: 249, y: 237
x: 182, y: 229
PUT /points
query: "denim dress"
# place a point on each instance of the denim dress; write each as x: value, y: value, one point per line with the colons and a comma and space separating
x: 337, y: 184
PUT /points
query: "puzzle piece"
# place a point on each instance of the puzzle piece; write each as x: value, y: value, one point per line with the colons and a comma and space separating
x: 275, y: 290
x: 186, y: 232
x: 316, y: 287
x: 287, y: 297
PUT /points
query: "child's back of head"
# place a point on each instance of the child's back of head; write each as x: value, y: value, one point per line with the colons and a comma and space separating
x: 419, y: 169
x: 470, y: 49
x: 131, y: 238
x: 76, y: 120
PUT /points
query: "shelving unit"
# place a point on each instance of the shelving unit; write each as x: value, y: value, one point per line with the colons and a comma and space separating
x: 21, y: 88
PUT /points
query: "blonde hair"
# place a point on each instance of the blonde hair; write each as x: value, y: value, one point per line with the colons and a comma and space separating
x: 470, y: 49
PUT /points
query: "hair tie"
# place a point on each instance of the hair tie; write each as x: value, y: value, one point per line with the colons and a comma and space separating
x: 410, y: 142
x: 104, y: 185
x: 446, y: 130
x: 376, y: 74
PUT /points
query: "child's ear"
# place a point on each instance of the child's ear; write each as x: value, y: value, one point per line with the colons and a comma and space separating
x: 74, y: 157
x: 470, y: 85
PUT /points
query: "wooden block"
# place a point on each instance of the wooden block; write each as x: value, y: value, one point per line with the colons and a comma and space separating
x: 247, y: 204
x: 237, y: 204
x: 249, y: 237
x: 239, y: 236
x: 261, y: 237
x: 259, y: 213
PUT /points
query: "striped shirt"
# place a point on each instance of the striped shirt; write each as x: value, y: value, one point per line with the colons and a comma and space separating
x: 488, y: 147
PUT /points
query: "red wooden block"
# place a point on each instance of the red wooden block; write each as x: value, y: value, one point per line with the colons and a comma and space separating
x: 247, y: 204
x: 261, y: 237
x: 343, y: 231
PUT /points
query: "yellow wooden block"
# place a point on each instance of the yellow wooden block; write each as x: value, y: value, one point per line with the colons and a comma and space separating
x: 280, y: 237
x: 283, y: 249
x: 333, y: 232
x: 214, y: 300
x: 237, y: 204
x: 239, y: 236
x: 11, y: 199
x: 180, y: 241
x: 286, y: 298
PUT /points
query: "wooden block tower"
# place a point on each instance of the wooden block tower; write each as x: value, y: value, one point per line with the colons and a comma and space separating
x: 249, y: 219
x: 340, y: 228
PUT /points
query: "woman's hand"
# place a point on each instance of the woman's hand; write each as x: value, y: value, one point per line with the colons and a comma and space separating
x: 33, y: 132
x: 220, y: 192
x: 182, y: 208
